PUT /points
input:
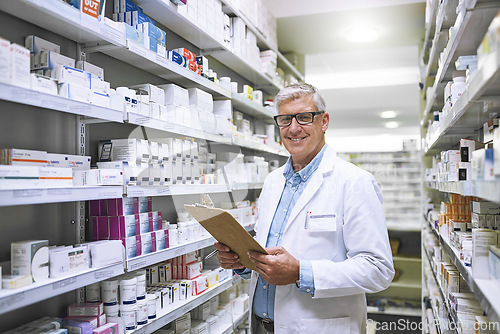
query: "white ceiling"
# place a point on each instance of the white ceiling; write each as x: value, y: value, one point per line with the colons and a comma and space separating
x: 358, y: 81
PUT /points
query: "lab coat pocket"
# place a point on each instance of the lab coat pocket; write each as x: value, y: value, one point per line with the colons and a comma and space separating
x: 321, y: 222
x: 326, y: 326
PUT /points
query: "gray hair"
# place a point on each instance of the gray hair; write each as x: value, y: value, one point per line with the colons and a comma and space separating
x: 298, y: 90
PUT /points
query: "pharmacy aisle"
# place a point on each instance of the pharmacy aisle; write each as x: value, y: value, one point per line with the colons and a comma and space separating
x: 114, y: 115
x: 460, y: 136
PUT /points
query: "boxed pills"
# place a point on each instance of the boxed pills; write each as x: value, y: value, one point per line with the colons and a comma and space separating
x: 19, y: 66
x: 30, y: 257
x: 36, y: 44
x: 94, y: 70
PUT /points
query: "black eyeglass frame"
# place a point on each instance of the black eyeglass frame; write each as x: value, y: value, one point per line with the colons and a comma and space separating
x: 313, y: 113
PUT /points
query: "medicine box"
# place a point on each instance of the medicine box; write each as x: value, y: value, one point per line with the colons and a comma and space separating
x: 51, y: 59
x: 121, y: 227
x: 5, y: 59
x: 19, y: 66
x: 36, y: 44
x: 15, y: 281
x: 43, y: 84
x: 85, y: 309
x: 105, y: 252
x: 13, y: 156
x: 75, y: 92
x: 94, y: 70
x: 175, y: 95
x: 30, y: 257
x: 122, y: 206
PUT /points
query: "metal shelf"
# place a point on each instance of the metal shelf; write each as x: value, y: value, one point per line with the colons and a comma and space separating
x: 54, y: 102
x: 147, y: 60
x: 403, y: 227
x: 171, y: 190
x: 64, y: 19
x: 175, y: 128
x: 33, y: 293
x: 243, y: 104
x: 55, y: 195
x: 488, y: 190
x: 248, y: 143
x: 263, y: 42
x: 239, y: 319
x: 485, y: 290
x: 250, y: 185
x: 167, y: 316
x: 165, y: 254
x: 169, y: 253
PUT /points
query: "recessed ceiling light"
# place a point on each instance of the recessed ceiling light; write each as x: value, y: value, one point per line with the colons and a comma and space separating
x: 362, y: 34
x: 391, y: 125
x: 388, y: 114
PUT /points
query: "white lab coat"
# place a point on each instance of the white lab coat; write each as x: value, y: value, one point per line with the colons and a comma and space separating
x: 351, y: 259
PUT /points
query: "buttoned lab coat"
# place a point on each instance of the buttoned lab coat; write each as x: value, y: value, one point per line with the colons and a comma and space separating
x: 350, y: 258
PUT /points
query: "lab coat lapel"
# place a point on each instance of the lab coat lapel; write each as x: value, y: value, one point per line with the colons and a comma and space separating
x: 325, y: 167
x: 266, y: 216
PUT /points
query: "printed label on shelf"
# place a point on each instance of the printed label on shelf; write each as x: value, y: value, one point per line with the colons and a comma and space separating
x: 161, y: 60
x: 63, y: 283
x: 104, y: 274
x: 12, y: 300
x: 163, y: 190
x: 168, y: 126
x: 137, y: 265
x: 108, y: 194
x: 135, y: 192
x: 54, y: 104
x: 25, y: 96
x: 114, y: 36
x: 60, y: 192
x: 203, y: 244
x: 80, y: 109
x: 27, y: 193
x: 136, y: 48
x: 179, y: 251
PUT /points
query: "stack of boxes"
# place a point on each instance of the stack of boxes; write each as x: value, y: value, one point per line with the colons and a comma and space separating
x: 130, y: 220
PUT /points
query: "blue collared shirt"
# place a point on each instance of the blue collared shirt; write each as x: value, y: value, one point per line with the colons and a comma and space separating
x: 263, y: 304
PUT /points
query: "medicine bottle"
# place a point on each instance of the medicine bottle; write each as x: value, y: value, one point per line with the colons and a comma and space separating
x: 183, y: 232
x: 173, y: 235
x: 457, y: 89
x: 193, y: 235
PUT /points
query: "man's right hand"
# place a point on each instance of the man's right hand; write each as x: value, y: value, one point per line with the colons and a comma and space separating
x: 227, y: 258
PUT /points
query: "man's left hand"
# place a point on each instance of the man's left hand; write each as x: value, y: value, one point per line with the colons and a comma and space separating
x: 278, y: 267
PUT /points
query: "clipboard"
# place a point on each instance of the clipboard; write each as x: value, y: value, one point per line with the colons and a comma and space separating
x: 223, y: 227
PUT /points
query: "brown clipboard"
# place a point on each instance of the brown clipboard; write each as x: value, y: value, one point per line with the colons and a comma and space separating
x: 223, y: 227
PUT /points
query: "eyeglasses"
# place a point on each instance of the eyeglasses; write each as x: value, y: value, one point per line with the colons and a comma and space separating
x: 302, y: 118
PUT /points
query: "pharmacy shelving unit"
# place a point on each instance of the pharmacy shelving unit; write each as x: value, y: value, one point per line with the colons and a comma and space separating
x: 398, y: 176
x: 467, y: 116
x: 38, y: 121
x: 485, y: 290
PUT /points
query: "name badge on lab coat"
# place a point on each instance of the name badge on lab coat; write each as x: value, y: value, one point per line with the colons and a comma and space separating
x: 321, y: 222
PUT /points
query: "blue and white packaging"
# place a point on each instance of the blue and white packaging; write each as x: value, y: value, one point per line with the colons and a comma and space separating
x: 65, y: 74
x: 139, y: 18
x: 149, y: 29
x: 99, y: 86
x: 43, y: 84
x: 122, y: 6
x: 75, y: 92
x: 92, y: 69
x: 100, y: 99
x: 177, y: 58
x: 134, y: 35
x: 50, y: 59
x: 36, y: 44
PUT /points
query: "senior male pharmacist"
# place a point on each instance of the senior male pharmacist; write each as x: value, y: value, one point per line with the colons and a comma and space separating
x: 322, y: 223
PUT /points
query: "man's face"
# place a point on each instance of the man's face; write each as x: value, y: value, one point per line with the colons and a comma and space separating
x: 303, y: 141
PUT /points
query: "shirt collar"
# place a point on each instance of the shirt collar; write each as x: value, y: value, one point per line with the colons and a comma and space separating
x: 307, y: 171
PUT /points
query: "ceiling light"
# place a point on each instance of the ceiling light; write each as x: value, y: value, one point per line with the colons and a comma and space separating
x: 391, y: 125
x: 362, y: 35
x: 388, y: 114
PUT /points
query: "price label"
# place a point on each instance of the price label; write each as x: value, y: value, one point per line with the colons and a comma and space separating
x: 180, y: 250
x: 113, y: 35
x: 104, y: 274
x: 5, y: 303
x: 137, y: 265
x: 202, y: 244
x: 137, y: 49
x: 108, y: 194
x: 168, y: 319
x: 60, y: 192
x: 161, y: 60
x: 27, y: 193
x: 25, y: 96
x: 80, y: 109
x: 56, y: 105
x: 168, y: 126
x: 163, y: 190
x: 63, y: 283
x: 135, y: 193
x: 141, y: 120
